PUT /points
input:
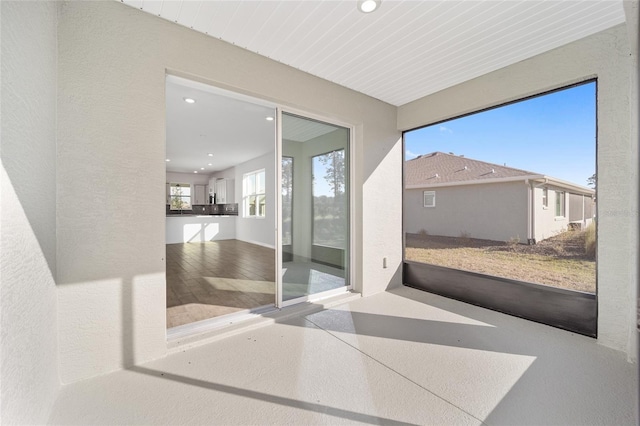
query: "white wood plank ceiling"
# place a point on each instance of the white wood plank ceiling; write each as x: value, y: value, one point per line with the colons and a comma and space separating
x: 404, y: 50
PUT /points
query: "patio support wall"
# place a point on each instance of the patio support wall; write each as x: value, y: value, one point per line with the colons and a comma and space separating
x: 607, y: 56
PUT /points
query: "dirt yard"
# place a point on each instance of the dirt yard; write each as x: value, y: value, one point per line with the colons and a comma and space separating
x: 559, y: 261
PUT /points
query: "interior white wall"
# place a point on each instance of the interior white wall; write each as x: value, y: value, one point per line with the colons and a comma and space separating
x: 191, y: 178
x: 607, y: 56
x: 29, y: 355
x: 112, y: 65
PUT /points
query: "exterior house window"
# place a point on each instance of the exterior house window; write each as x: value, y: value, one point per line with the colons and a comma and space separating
x: 545, y: 198
x: 429, y: 198
x: 560, y: 203
x: 180, y: 195
x: 253, y: 194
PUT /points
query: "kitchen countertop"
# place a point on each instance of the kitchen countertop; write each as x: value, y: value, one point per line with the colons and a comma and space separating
x: 202, y: 215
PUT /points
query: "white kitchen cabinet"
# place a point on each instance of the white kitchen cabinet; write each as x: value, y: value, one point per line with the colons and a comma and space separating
x: 221, y: 191
x: 230, y: 191
x: 224, y: 191
x: 200, y: 195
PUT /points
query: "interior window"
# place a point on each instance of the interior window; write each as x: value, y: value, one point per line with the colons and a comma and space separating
x: 329, y: 214
x: 180, y: 196
x: 253, y: 194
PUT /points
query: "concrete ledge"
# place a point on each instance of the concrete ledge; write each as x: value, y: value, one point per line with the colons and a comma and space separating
x: 570, y: 310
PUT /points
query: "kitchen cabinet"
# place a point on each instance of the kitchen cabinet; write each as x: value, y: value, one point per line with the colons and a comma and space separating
x: 225, y: 191
x: 200, y: 195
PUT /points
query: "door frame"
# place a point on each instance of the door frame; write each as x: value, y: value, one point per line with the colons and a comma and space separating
x: 352, y: 246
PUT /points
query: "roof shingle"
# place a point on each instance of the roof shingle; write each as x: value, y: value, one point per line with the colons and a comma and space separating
x: 439, y: 167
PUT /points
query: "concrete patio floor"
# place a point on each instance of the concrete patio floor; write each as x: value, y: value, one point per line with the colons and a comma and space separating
x: 400, y: 357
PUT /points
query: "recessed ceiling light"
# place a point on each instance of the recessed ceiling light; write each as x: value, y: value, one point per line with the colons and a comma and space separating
x: 189, y: 100
x: 210, y: 155
x: 269, y: 118
x: 201, y: 168
x: 209, y: 164
x: 195, y: 171
x: 167, y: 160
x: 368, y: 6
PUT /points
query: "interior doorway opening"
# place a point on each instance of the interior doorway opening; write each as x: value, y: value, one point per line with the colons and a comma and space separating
x: 220, y: 204
x: 258, y: 207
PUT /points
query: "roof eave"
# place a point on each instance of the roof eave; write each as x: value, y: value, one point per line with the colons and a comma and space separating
x: 476, y: 182
x: 537, y: 178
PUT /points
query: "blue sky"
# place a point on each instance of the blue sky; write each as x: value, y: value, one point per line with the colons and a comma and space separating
x: 554, y: 135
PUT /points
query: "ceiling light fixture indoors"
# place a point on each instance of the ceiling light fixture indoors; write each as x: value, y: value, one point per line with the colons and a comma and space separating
x: 368, y: 6
x: 210, y: 155
x: 189, y: 100
x: 269, y: 118
x: 167, y: 160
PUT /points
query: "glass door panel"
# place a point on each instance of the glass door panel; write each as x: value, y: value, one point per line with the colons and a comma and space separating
x: 315, y: 207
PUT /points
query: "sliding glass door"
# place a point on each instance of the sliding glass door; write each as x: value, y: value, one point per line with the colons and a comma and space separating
x: 315, y: 226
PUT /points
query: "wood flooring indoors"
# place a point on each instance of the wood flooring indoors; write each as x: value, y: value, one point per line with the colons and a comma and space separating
x: 207, y: 280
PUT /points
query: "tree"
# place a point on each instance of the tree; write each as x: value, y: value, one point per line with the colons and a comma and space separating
x: 334, y: 163
x: 591, y: 181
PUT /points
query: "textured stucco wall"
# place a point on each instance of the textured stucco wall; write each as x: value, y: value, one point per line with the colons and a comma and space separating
x: 112, y: 65
x: 490, y: 212
x: 29, y: 357
x: 607, y: 56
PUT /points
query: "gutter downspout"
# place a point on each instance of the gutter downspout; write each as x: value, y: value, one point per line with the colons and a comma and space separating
x: 530, y: 212
x: 531, y: 238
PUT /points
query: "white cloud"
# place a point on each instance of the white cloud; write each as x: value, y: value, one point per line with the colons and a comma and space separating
x: 410, y: 155
x: 444, y: 129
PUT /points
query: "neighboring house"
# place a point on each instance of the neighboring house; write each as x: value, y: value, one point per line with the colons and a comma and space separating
x: 455, y: 196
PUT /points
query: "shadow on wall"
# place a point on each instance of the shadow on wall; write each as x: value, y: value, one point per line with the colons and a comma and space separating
x: 200, y: 232
x: 128, y: 324
x: 396, y: 279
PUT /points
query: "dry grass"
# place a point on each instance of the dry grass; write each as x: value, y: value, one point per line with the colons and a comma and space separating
x: 590, y: 241
x: 559, y: 261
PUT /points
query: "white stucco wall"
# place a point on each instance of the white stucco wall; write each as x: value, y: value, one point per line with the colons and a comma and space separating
x: 112, y: 65
x: 607, y: 56
x: 29, y: 357
x: 488, y: 211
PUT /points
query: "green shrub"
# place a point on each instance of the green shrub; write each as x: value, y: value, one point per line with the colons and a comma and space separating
x: 590, y: 240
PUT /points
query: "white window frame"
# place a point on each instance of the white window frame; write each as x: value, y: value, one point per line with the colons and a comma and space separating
x: 545, y: 198
x: 171, y: 195
x: 561, y: 199
x: 246, y: 195
x: 431, y: 194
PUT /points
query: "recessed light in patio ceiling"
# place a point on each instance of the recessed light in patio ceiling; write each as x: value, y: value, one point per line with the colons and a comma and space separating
x: 368, y: 6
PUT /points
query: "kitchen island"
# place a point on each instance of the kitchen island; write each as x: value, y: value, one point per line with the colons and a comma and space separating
x: 190, y: 228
